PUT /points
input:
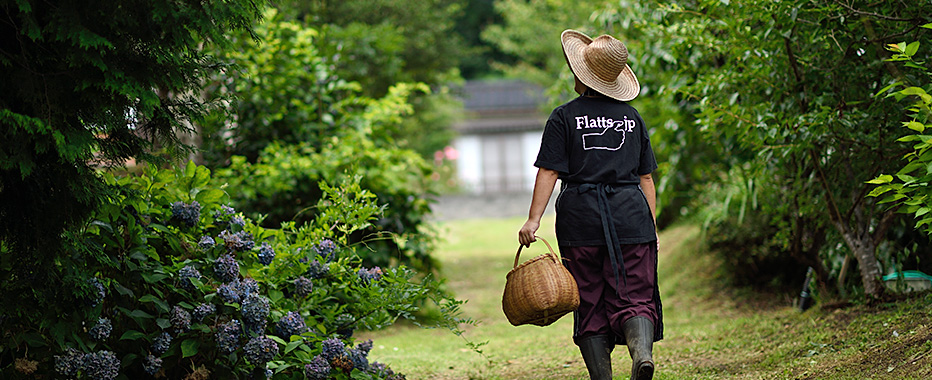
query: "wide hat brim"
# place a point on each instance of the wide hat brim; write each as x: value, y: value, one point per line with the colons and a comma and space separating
x: 624, y: 87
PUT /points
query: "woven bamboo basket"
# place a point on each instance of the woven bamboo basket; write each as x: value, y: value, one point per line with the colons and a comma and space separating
x: 539, y: 291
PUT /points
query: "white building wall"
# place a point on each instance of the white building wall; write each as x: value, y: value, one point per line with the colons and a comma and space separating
x: 469, y: 163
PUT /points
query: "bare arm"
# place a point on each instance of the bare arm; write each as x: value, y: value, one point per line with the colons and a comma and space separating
x: 650, y: 192
x: 543, y: 189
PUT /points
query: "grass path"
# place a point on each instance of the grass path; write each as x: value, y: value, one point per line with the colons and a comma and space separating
x: 711, y: 333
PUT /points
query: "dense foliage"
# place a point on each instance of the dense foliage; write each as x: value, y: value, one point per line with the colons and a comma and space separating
x: 87, y: 83
x: 296, y: 122
x: 780, y: 125
x: 166, y: 280
x: 910, y: 189
x: 785, y: 91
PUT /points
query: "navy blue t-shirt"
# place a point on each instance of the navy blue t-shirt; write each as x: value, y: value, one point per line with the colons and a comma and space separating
x: 599, y: 141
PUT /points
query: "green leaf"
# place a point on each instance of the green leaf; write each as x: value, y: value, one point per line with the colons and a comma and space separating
x: 915, y: 125
x: 210, y: 196
x: 163, y: 323
x: 911, y: 49
x: 132, y: 335
x: 892, y: 198
x: 922, y: 211
x: 881, y: 179
x: 162, y: 305
x: 291, y: 346
x: 201, y: 177
x: 276, y: 339
x: 189, y: 348
x: 879, y: 190
x: 927, y: 26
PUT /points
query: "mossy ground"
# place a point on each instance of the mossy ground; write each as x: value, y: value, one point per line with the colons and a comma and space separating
x: 711, y: 331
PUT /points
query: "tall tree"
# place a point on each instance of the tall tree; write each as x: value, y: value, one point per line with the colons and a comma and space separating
x: 91, y: 83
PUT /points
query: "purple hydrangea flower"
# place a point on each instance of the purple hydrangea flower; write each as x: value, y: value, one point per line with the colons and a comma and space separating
x: 101, y: 365
x: 266, y: 254
x: 370, y: 275
x: 292, y: 323
x: 206, y: 242
x: 358, y: 357
x: 69, y: 364
x: 226, y: 268
x: 365, y: 347
x: 99, y: 293
x: 317, y: 369
x: 187, y: 213
x: 152, y: 364
x: 260, y: 350
x: 180, y: 319
x: 202, y: 311
x: 325, y: 249
x: 237, y: 242
x: 247, y: 287
x: 229, y: 293
x: 255, y: 311
x: 303, y: 286
x: 101, y: 331
x: 317, y: 270
x: 228, y: 335
x: 161, y: 343
x: 332, y: 348
x: 186, y: 274
x: 224, y: 212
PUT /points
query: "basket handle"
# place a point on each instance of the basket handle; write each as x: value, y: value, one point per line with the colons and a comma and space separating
x: 518, y: 255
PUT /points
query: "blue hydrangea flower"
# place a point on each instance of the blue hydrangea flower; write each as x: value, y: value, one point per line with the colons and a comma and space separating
x: 187, y: 273
x: 325, y: 249
x: 370, y: 275
x: 292, y: 323
x: 237, y: 242
x: 202, y: 311
x: 260, y: 350
x: 255, y: 311
x: 303, y: 286
x: 226, y: 268
x: 332, y: 348
x: 224, y: 212
x: 266, y: 254
x: 206, y: 242
x: 180, y: 319
x: 152, y: 364
x: 187, y: 213
x: 229, y: 293
x: 99, y: 293
x: 247, y: 287
x: 317, y: 369
x: 365, y: 347
x: 101, y: 365
x: 101, y: 331
x: 161, y: 343
x: 317, y: 270
x: 358, y: 357
x: 237, y: 221
x: 228, y: 335
x: 69, y: 364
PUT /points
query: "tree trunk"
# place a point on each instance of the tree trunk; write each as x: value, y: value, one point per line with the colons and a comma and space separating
x: 864, y: 249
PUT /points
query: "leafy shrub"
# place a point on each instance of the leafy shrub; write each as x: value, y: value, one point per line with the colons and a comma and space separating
x: 183, y: 290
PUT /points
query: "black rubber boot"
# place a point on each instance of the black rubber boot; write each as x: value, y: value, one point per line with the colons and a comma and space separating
x: 596, y: 352
x: 639, y: 334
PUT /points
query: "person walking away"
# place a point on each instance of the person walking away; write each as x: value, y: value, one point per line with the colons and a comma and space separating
x: 598, y: 146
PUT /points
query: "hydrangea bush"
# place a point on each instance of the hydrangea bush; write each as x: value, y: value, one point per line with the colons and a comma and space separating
x: 178, y: 285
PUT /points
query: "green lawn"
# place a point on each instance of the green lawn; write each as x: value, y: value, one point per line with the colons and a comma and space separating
x: 712, y: 332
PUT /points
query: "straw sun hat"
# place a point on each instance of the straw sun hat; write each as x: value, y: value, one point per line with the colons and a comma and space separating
x: 601, y: 64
